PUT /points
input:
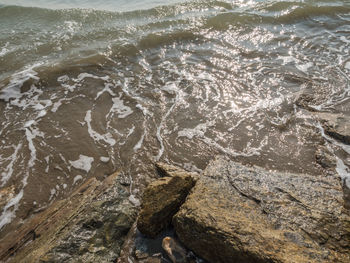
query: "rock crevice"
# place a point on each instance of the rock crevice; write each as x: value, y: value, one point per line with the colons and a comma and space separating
x: 248, y: 214
x: 237, y: 213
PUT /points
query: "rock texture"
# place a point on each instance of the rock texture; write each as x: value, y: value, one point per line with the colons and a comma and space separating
x: 336, y: 125
x: 89, y: 226
x: 325, y: 158
x: 6, y: 194
x: 241, y: 214
x: 162, y: 199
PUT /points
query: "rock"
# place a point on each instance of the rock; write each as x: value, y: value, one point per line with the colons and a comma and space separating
x: 346, y: 191
x: 174, y: 250
x: 140, y: 254
x: 88, y: 226
x: 325, y: 158
x: 6, y: 194
x: 247, y: 214
x: 306, y: 101
x: 335, y: 125
x: 167, y: 170
x: 153, y: 259
x: 312, y: 95
x: 162, y: 199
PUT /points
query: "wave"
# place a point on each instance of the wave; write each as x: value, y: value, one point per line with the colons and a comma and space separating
x: 65, y: 36
x: 269, y: 11
x: 102, y: 15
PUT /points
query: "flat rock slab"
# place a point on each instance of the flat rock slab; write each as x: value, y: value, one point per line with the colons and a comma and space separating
x: 237, y: 213
x: 89, y: 226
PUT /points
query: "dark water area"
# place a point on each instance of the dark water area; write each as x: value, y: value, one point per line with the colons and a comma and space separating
x: 91, y: 87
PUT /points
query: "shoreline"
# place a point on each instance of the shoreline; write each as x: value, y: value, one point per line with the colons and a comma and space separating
x: 51, y: 235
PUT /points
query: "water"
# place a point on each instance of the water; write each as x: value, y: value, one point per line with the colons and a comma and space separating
x: 90, y: 87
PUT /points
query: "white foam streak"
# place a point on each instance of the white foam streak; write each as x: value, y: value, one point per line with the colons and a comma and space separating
x: 199, y: 130
x: 170, y: 88
x: 83, y: 163
x: 119, y: 108
x: 345, y: 147
x: 108, y: 138
x: 13, y: 89
x: 343, y: 171
x: 9, y: 211
x: 30, y: 136
x: 4, y: 50
x: 77, y: 178
x: 138, y: 145
x: 107, y: 88
x: 82, y: 76
x: 144, y: 110
x: 6, y: 175
x: 52, y: 193
x: 56, y: 105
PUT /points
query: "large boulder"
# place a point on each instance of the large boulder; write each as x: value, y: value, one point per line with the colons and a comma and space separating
x: 162, y: 199
x: 237, y: 213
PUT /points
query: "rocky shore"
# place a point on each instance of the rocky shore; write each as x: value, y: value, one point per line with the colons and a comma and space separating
x: 229, y: 213
x: 237, y: 213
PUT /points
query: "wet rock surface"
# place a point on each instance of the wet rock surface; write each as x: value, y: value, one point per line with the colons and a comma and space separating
x: 174, y: 250
x: 325, y: 158
x: 89, y: 226
x: 165, y: 248
x: 162, y: 199
x: 247, y: 214
x: 335, y: 125
x: 231, y: 213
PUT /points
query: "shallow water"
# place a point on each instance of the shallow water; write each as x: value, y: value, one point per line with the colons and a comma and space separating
x: 90, y: 87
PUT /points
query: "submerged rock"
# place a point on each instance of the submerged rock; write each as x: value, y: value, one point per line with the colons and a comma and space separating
x: 89, y: 226
x: 336, y: 125
x: 162, y: 199
x: 174, y: 250
x: 247, y: 214
x: 325, y: 158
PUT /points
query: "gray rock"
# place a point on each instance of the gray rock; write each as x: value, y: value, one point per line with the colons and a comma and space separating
x: 162, y: 199
x: 247, y: 214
